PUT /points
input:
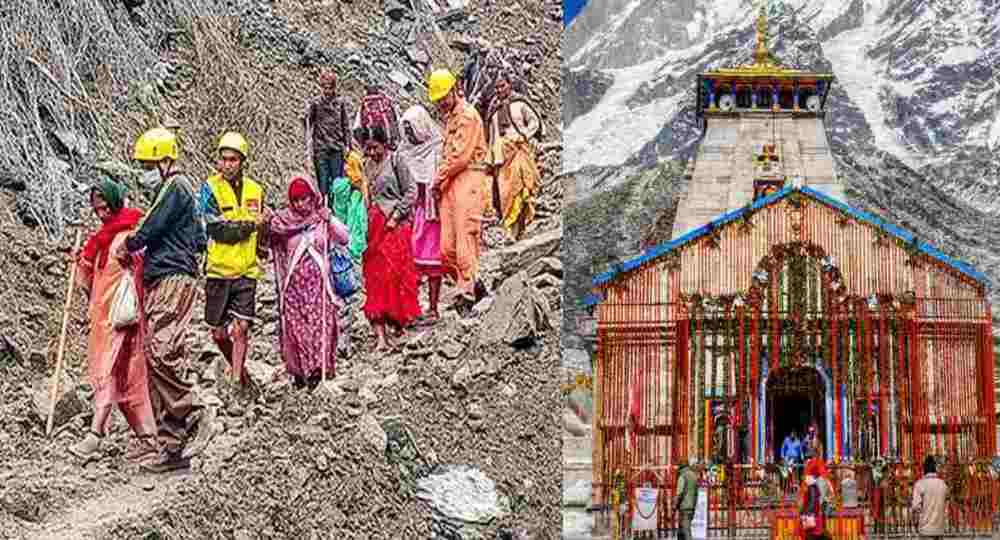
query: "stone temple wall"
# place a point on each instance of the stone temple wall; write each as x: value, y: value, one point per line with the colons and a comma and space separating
x: 723, y: 175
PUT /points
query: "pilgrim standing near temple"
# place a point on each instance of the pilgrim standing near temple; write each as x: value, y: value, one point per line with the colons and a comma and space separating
x: 823, y: 481
x: 420, y: 149
x: 116, y: 365
x: 810, y: 443
x: 930, y: 500
x: 232, y: 205
x: 512, y: 126
x: 301, y: 236
x: 791, y: 450
x: 460, y: 187
x: 685, y: 498
x: 811, y: 515
x: 349, y: 202
x: 389, y: 270
x: 172, y: 236
x: 328, y: 133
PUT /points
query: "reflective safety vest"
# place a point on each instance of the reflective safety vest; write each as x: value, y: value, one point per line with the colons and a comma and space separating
x: 230, y: 261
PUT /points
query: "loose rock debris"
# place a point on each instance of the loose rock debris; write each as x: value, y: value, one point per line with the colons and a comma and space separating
x: 278, y: 462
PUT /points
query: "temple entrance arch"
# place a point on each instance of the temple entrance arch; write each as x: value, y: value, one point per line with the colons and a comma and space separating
x: 792, y: 398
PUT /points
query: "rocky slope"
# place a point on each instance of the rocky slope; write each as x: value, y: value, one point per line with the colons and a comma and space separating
x: 390, y: 447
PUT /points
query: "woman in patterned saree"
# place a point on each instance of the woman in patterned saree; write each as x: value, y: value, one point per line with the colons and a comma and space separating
x: 301, y: 237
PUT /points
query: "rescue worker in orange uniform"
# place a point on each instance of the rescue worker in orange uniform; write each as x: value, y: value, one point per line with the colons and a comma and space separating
x: 461, y: 187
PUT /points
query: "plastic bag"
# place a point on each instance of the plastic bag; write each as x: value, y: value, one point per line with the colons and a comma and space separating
x: 342, y: 274
x: 125, y: 305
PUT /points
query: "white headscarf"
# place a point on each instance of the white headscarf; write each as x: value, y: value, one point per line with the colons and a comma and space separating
x: 422, y: 158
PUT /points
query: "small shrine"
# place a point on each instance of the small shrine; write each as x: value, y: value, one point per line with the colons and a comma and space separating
x: 769, y: 175
x: 765, y: 85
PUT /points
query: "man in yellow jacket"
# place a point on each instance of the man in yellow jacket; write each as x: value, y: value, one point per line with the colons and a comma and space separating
x: 232, y: 206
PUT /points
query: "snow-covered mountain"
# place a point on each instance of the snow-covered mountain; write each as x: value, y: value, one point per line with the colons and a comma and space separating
x: 923, y: 73
x: 913, y: 115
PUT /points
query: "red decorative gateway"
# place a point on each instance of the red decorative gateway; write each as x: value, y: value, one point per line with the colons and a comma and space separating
x: 795, y: 312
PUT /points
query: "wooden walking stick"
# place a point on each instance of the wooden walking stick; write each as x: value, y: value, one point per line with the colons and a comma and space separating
x: 57, y: 376
x: 326, y: 298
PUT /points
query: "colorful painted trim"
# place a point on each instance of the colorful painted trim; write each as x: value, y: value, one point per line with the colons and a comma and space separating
x: 662, y: 249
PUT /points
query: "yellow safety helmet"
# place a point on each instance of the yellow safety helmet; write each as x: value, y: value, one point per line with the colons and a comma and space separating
x: 234, y: 141
x: 439, y: 84
x: 156, y: 145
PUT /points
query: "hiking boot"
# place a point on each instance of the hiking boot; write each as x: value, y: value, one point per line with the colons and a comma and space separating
x: 166, y: 461
x: 89, y: 448
x: 142, y: 449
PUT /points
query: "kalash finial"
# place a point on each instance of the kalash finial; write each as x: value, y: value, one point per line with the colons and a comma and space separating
x: 762, y: 55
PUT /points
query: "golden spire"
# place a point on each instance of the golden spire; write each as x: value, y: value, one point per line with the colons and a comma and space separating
x: 764, y: 64
x: 762, y: 55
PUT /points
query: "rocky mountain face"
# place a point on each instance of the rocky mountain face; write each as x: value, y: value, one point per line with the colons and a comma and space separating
x: 913, y: 116
x: 924, y: 75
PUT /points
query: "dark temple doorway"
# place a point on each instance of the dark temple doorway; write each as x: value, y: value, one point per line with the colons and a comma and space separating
x: 795, y: 402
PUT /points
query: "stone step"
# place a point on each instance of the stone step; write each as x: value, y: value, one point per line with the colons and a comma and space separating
x: 575, y: 471
x: 578, y: 448
x: 578, y: 524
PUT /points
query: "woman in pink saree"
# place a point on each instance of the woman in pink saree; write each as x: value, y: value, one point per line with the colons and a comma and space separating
x: 116, y: 365
x: 301, y: 237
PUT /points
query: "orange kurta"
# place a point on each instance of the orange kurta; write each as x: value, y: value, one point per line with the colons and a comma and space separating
x: 127, y: 385
x: 464, y: 188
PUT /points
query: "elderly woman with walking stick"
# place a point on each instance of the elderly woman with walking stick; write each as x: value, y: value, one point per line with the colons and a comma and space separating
x: 116, y: 364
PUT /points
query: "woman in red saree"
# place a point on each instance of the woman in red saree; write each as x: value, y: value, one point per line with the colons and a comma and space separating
x: 301, y: 237
x: 812, y: 517
x: 116, y: 366
x: 389, y: 270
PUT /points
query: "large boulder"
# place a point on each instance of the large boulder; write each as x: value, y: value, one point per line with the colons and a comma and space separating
x: 573, y: 423
x: 528, y: 253
x: 463, y: 499
x: 518, y: 317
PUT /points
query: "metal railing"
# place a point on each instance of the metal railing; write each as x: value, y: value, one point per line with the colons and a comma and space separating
x: 761, y: 501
